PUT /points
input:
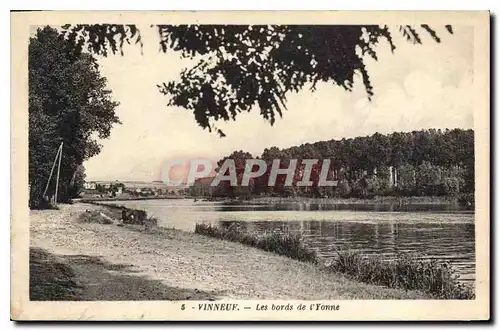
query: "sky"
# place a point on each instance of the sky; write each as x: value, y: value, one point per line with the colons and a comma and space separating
x: 417, y: 87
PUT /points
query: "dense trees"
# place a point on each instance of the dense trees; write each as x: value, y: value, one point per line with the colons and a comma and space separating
x: 426, y: 162
x: 243, y: 67
x: 69, y: 103
x: 225, y: 188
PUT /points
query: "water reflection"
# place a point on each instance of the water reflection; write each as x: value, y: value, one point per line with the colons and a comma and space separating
x: 343, y: 206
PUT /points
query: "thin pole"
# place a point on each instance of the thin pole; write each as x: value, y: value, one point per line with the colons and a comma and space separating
x: 52, y: 171
x: 58, y: 171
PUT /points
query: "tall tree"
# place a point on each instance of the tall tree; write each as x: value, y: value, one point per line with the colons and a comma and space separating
x: 69, y: 103
x: 224, y: 188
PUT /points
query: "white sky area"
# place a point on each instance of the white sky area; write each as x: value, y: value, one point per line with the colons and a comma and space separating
x: 417, y: 87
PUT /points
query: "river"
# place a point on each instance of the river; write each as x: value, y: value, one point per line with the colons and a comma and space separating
x: 421, y: 229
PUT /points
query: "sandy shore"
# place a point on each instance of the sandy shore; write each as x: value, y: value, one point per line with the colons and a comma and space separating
x: 110, y: 262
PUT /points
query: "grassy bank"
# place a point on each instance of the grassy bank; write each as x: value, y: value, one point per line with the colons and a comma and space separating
x: 439, y: 280
x: 287, y: 245
x: 129, y: 198
x: 406, y: 272
x: 110, y: 213
x: 126, y: 262
x: 403, y: 271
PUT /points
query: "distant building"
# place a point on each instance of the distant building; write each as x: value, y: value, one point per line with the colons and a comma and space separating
x: 119, y: 190
x: 90, y: 185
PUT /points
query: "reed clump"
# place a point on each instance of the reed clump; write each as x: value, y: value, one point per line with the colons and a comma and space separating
x: 289, y: 245
x: 403, y: 271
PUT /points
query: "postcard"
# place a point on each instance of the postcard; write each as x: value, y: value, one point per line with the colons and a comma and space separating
x: 244, y: 166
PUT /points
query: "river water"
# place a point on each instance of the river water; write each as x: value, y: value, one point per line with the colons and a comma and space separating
x: 425, y: 230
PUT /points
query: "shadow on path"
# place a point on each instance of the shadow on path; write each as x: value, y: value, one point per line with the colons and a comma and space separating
x: 90, y: 278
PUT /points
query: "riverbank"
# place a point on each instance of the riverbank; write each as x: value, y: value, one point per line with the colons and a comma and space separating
x: 379, y: 203
x: 384, y: 203
x: 128, y: 198
x: 381, y: 200
x: 432, y: 200
x: 403, y: 271
x: 110, y: 262
x: 284, y: 200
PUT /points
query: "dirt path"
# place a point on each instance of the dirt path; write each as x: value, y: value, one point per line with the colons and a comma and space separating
x: 125, y: 263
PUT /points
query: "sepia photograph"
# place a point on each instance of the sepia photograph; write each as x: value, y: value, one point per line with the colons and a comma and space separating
x: 248, y: 166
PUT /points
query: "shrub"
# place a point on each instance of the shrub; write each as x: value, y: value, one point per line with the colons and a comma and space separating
x: 343, y: 188
x: 404, y: 271
x: 150, y: 223
x: 466, y: 200
x: 282, y: 244
x: 94, y: 216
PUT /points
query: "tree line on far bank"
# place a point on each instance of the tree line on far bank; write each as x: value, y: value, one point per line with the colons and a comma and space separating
x: 418, y: 163
x: 69, y: 104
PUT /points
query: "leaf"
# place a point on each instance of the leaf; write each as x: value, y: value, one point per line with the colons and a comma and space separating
x: 255, y: 65
x: 431, y: 32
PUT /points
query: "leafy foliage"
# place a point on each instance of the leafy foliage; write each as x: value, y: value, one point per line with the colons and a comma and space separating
x: 225, y: 189
x: 240, y: 67
x: 289, y: 245
x: 99, y: 38
x: 427, y: 162
x: 69, y: 103
x: 403, y: 271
